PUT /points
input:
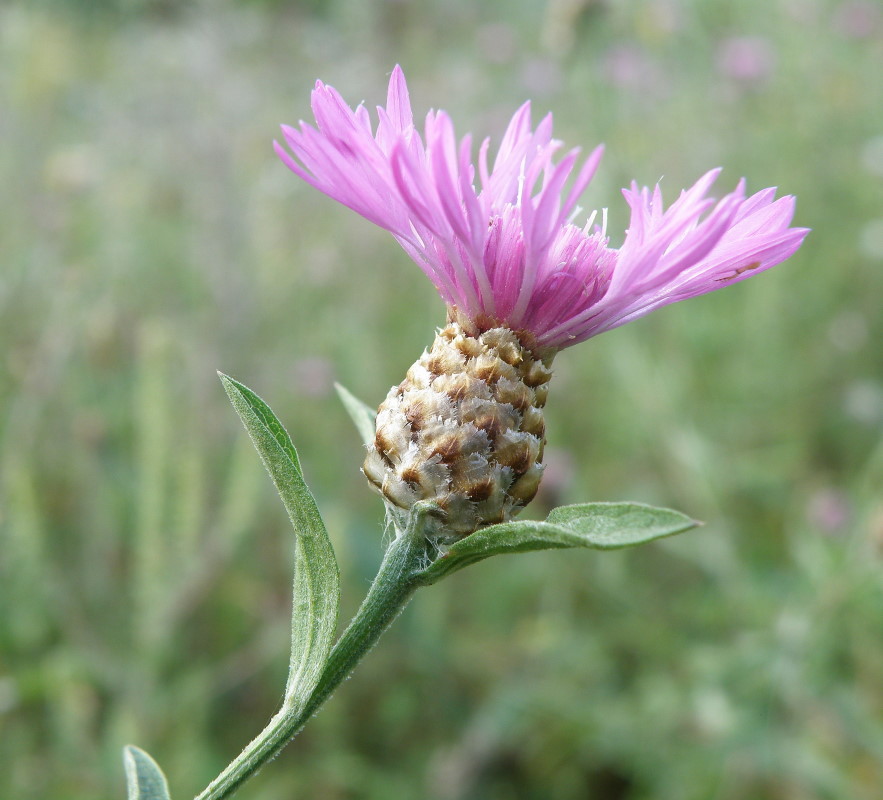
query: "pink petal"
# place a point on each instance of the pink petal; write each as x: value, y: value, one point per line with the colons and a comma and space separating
x: 509, y: 251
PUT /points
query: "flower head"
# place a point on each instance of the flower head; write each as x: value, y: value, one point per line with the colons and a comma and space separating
x: 465, y: 428
x: 506, y: 252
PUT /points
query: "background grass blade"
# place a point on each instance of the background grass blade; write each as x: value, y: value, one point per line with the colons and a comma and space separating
x: 144, y: 778
x: 316, y: 580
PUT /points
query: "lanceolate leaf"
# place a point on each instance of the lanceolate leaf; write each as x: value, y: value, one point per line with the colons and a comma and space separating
x: 316, y: 577
x: 265, y: 415
x: 144, y: 778
x: 601, y: 526
x: 611, y: 526
x: 362, y: 415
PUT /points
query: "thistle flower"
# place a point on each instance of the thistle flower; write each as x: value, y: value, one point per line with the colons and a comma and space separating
x: 520, y: 279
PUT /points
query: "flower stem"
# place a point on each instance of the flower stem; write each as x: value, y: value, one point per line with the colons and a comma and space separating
x: 388, y: 595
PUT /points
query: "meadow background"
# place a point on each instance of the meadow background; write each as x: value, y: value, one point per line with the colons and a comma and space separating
x: 150, y: 236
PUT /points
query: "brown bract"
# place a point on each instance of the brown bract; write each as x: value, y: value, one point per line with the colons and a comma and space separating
x: 465, y: 428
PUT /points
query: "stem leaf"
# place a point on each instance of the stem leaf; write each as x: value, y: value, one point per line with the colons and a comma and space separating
x: 316, y: 576
x: 266, y: 416
x: 363, y: 416
x: 144, y: 778
x: 600, y: 526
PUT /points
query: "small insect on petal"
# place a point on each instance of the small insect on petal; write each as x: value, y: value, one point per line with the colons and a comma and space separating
x: 740, y: 270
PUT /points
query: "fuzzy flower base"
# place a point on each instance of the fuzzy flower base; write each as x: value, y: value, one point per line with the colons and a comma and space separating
x: 464, y: 429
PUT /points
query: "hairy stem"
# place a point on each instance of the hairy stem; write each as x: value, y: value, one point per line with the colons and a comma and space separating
x: 388, y: 595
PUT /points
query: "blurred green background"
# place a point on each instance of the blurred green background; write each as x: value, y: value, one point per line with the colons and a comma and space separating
x: 150, y: 236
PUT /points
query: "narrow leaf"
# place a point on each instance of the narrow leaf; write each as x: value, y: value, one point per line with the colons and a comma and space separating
x: 144, y: 778
x: 611, y: 526
x: 600, y: 526
x: 316, y: 576
x: 363, y: 416
x: 267, y: 417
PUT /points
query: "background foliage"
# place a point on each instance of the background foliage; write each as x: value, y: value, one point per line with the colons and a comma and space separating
x: 150, y: 236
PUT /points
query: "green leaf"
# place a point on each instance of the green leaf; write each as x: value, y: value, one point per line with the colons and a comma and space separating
x: 265, y: 414
x: 361, y: 413
x: 316, y: 576
x: 600, y: 526
x: 144, y: 778
x: 611, y: 526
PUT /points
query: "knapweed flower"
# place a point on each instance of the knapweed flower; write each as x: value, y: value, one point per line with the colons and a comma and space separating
x: 520, y: 278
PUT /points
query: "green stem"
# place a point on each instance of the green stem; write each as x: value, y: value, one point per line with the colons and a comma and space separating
x: 388, y: 595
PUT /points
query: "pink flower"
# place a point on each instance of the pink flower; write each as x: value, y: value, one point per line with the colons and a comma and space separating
x: 508, y: 252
